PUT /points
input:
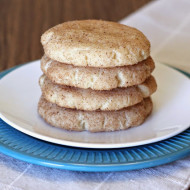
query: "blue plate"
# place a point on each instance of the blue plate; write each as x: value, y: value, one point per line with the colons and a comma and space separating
x: 29, y: 149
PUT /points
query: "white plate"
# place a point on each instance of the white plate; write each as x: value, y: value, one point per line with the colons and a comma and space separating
x: 20, y: 92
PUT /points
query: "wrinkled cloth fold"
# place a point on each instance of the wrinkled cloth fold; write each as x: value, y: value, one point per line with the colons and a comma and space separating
x: 18, y: 175
x: 167, y: 26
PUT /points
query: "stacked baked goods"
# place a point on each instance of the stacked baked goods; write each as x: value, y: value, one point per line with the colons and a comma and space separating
x: 97, y: 76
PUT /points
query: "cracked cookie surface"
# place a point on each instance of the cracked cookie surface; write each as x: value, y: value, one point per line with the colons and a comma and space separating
x: 97, y: 78
x: 87, y: 99
x: 94, y: 121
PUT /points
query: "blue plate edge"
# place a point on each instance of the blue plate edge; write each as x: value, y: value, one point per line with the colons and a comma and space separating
x: 91, y: 168
x: 97, y: 168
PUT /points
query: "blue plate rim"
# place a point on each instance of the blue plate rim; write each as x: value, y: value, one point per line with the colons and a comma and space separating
x: 73, y: 166
x: 98, y: 167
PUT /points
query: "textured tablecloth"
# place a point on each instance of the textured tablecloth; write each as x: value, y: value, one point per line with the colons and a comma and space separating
x: 167, y: 25
x: 18, y: 175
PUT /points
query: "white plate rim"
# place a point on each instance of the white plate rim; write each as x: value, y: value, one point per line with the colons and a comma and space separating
x: 83, y: 144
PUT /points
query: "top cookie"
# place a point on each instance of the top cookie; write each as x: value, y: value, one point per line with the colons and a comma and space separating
x: 95, y: 43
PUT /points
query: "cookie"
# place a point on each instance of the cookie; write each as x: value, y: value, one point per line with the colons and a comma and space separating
x: 94, y: 121
x: 87, y: 99
x: 95, y: 43
x: 97, y: 78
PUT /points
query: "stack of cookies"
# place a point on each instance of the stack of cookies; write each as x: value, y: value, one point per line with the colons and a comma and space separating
x: 97, y: 76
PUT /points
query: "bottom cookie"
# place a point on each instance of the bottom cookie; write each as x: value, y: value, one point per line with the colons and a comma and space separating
x: 94, y: 121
